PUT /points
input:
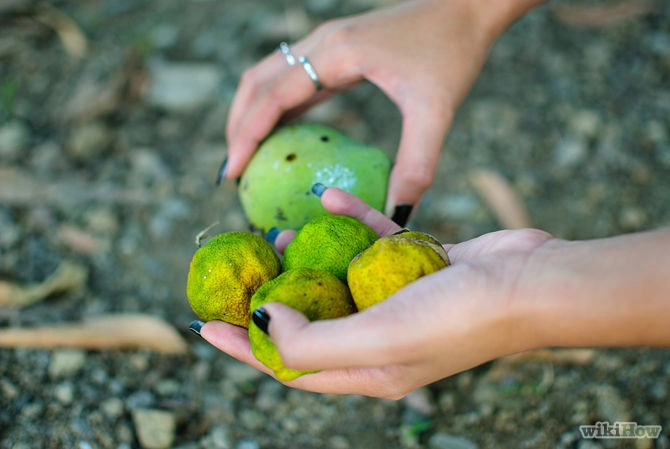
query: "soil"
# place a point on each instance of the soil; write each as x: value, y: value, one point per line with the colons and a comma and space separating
x: 112, y: 117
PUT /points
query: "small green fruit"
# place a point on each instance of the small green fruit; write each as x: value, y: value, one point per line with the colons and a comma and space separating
x: 275, y: 188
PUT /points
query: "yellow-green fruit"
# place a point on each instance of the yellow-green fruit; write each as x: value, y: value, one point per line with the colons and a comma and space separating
x: 225, y: 272
x: 329, y: 243
x: 391, y: 263
x: 318, y: 294
x: 274, y: 189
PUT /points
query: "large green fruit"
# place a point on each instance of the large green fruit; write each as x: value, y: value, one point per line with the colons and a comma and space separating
x: 275, y: 188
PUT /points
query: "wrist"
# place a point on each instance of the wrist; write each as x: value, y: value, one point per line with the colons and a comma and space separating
x: 605, y: 292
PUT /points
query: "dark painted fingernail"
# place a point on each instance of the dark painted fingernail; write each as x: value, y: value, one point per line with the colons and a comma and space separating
x: 195, y: 326
x: 318, y: 189
x: 401, y: 214
x: 272, y: 234
x: 222, y: 171
x: 261, y: 319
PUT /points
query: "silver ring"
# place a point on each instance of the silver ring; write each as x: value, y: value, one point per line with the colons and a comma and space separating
x: 286, y: 51
x: 310, y: 72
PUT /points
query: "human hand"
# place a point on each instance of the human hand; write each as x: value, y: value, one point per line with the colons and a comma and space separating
x: 444, y: 323
x: 424, y: 55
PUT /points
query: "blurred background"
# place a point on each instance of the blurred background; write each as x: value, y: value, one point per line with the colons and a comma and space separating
x: 112, y: 118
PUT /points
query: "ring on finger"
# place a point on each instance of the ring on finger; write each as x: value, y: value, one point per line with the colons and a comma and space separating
x: 285, y: 49
x: 309, y: 69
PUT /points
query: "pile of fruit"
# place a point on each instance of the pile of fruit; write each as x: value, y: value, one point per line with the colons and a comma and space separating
x: 334, y: 266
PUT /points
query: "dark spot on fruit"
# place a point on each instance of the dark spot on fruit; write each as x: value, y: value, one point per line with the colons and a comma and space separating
x: 319, y: 283
x: 279, y: 215
x: 325, y: 138
x: 291, y: 157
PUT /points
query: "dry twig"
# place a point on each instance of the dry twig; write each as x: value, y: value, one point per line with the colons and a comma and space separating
x: 122, y: 331
x: 501, y: 198
x: 67, y: 277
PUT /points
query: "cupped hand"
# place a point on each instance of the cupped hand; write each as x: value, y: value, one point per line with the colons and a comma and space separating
x: 444, y: 323
x: 424, y: 55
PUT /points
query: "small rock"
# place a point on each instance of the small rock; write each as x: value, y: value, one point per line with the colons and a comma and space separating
x: 155, y: 428
x: 252, y: 419
x: 588, y: 444
x: 66, y: 362
x: 611, y: 406
x: 112, y: 407
x: 570, y: 151
x: 14, y: 137
x: 338, y: 442
x: 632, y: 218
x: 64, y: 393
x: 247, y: 444
x: 167, y: 387
x: 422, y: 401
x: 585, y: 123
x: 181, y: 87
x: 88, y: 141
x: 217, y: 438
x: 8, y: 389
x: 444, y: 441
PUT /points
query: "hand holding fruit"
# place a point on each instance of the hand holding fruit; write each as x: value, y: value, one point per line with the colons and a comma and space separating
x: 424, y: 55
x: 441, y: 324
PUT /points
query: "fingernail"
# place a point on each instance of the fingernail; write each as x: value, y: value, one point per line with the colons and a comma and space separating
x: 318, y: 189
x: 222, y: 171
x: 401, y: 214
x: 272, y: 234
x: 195, y: 326
x: 402, y: 231
x: 261, y: 319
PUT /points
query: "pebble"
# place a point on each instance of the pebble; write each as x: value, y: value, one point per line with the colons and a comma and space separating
x: 247, y: 444
x: 88, y: 141
x: 14, y: 137
x: 444, y: 441
x: 66, y: 362
x: 585, y: 123
x: 181, y: 87
x: 217, y: 438
x: 112, y: 407
x: 570, y: 151
x: 611, y: 406
x: 421, y: 400
x: 64, y: 393
x: 155, y: 428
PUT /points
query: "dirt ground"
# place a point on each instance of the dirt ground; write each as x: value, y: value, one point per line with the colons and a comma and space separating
x: 112, y: 117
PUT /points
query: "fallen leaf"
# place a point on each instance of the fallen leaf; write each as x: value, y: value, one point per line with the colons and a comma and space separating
x: 68, y: 276
x: 20, y: 187
x: 604, y: 14
x: 77, y: 239
x: 69, y: 33
x: 503, y: 366
x: 501, y: 198
x: 118, y: 331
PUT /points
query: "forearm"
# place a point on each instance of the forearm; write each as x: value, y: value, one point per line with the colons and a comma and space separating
x: 606, y: 292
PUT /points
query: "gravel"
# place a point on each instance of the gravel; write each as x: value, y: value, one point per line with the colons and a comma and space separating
x: 119, y: 150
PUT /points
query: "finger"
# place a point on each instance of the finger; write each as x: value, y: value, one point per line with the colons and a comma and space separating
x: 283, y: 239
x: 364, y: 339
x: 423, y: 131
x: 337, y: 201
x: 271, y: 66
x: 264, y: 103
x: 233, y: 340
